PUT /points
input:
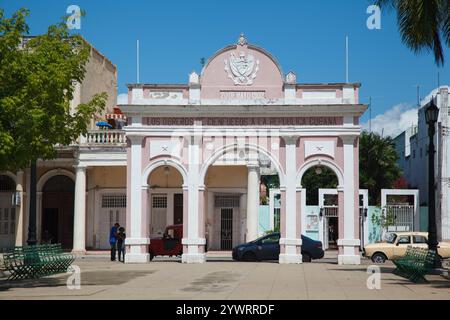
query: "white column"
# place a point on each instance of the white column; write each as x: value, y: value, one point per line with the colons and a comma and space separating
x: 19, y: 241
x: 252, y: 201
x: 291, y: 240
x: 79, y: 224
x: 349, y: 245
x: 136, y: 242
x: 193, y: 240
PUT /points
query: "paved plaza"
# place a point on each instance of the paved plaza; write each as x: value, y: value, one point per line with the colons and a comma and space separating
x: 222, y: 279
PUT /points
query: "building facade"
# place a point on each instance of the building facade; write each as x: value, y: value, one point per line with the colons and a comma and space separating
x: 412, y: 147
x: 56, y: 179
x: 194, y: 153
x: 209, y: 138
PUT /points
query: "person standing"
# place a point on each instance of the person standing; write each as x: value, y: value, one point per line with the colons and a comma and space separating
x: 113, y: 240
x: 121, y: 243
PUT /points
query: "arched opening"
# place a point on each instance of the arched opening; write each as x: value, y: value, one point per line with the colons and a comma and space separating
x: 7, y: 213
x: 58, y: 211
x: 241, y: 187
x: 166, y: 200
x: 322, y: 205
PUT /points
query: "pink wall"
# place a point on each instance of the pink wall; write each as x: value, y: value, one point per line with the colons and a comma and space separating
x: 215, y: 78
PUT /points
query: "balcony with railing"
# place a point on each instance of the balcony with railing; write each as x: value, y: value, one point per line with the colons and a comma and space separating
x: 104, y: 138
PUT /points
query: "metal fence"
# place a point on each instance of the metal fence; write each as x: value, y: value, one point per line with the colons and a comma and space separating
x: 331, y: 211
x: 403, y: 217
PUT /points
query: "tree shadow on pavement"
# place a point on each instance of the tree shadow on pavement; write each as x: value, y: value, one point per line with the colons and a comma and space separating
x: 88, y: 278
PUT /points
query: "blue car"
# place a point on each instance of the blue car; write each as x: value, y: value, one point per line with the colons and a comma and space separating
x: 268, y: 248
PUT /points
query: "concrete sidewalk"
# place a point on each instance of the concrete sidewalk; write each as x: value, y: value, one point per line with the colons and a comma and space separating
x: 221, y: 278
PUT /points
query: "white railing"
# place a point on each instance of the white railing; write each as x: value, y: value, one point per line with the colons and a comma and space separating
x: 104, y: 138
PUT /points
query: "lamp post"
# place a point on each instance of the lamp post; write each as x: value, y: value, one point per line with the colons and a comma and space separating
x: 431, y: 117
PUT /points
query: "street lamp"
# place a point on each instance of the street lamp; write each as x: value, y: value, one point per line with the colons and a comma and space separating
x: 431, y: 117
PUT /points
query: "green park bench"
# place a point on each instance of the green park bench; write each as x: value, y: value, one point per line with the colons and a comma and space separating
x: 32, y: 262
x: 415, y: 264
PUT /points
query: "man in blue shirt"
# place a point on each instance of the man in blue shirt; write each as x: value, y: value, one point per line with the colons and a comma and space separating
x: 113, y: 240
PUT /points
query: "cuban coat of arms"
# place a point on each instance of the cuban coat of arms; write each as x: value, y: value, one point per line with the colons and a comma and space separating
x: 242, y: 69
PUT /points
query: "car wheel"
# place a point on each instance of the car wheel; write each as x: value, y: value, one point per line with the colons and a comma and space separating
x: 378, y: 258
x: 249, y: 256
x: 151, y: 256
x: 306, y: 257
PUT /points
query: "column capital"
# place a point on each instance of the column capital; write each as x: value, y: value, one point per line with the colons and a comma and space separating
x: 290, y: 139
x: 252, y: 166
x: 80, y: 167
x: 348, y: 139
x: 135, y: 139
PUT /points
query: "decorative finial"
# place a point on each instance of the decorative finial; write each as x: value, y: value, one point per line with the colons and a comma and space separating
x: 242, y: 40
x: 291, y: 78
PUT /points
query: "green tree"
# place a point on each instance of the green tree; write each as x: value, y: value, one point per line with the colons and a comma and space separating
x: 315, y: 178
x: 423, y: 24
x: 37, y: 83
x: 378, y: 166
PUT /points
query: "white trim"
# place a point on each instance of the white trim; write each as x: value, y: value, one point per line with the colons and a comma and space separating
x: 286, y: 258
x: 322, y: 162
x: 349, y: 242
x: 248, y: 131
x: 230, y: 147
x: 233, y: 109
x: 404, y: 192
x: 163, y: 162
x: 52, y: 173
x: 291, y: 242
x: 137, y: 241
x: 272, y: 193
x: 349, y: 189
x: 193, y: 241
x: 11, y: 175
x: 365, y: 194
x: 193, y: 258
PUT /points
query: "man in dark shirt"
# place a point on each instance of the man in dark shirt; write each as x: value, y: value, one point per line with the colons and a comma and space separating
x: 121, y: 243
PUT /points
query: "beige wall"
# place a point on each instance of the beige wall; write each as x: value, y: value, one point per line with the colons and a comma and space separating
x: 107, y: 177
x: 101, y: 76
x: 159, y: 179
x: 226, y: 177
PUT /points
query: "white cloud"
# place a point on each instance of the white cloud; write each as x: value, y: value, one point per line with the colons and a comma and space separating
x: 122, y: 98
x: 394, y: 121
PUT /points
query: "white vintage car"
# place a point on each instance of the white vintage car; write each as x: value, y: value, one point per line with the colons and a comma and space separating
x: 395, y: 247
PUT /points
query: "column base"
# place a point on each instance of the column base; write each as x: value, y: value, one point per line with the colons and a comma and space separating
x: 285, y: 258
x: 137, y: 258
x: 344, y: 259
x: 193, y: 258
x: 78, y: 252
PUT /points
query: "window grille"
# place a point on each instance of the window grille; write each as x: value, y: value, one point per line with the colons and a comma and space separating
x: 159, y: 201
x: 7, y: 184
x: 114, y: 201
x: 227, y: 201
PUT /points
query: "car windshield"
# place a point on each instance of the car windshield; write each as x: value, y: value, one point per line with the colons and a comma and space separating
x: 390, y: 237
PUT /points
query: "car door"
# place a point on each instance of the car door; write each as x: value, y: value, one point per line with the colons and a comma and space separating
x: 269, y: 247
x: 419, y: 241
x: 402, y: 243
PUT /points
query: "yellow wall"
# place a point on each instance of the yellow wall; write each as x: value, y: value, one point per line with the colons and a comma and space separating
x: 158, y: 178
x: 108, y: 177
x: 226, y: 177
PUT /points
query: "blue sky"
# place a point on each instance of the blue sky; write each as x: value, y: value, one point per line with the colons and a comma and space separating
x: 307, y: 37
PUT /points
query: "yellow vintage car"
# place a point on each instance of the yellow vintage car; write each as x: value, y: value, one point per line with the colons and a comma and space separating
x: 395, y: 246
